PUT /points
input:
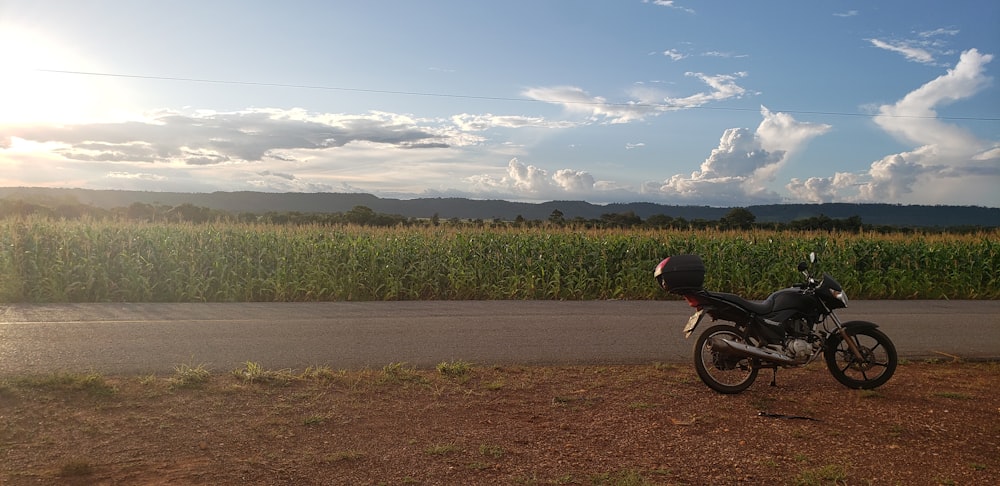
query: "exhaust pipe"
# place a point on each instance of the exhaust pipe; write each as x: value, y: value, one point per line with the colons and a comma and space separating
x: 726, y: 346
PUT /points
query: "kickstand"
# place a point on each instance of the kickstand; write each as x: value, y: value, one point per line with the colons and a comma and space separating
x: 774, y: 377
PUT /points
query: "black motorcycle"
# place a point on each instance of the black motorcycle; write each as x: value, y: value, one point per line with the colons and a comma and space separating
x: 792, y: 327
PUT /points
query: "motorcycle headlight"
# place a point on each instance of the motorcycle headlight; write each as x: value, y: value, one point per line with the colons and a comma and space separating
x: 839, y: 295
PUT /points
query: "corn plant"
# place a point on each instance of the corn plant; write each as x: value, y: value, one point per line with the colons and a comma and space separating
x: 46, y: 260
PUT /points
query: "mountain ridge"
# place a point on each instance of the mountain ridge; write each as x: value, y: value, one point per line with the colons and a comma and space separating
x: 463, y: 208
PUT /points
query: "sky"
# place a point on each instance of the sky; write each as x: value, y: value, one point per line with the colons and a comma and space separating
x: 722, y: 103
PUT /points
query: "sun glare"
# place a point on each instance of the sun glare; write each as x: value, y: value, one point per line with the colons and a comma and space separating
x: 28, y: 94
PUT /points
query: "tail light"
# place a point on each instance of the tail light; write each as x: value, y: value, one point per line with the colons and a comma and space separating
x: 692, y: 300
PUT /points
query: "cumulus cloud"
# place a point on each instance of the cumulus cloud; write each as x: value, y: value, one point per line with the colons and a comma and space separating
x: 947, y: 161
x: 528, y: 181
x: 736, y: 171
x: 821, y: 189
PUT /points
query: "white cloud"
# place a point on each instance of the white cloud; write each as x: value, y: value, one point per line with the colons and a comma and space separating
x: 780, y: 131
x: 527, y: 182
x: 674, y: 55
x: 724, y: 55
x: 947, y: 164
x: 735, y: 171
x: 821, y: 189
x: 217, y: 138
x: 574, y: 181
x: 913, y: 118
x: 649, y: 102
x: 723, y: 87
x: 577, y: 101
x: 670, y: 4
x: 910, y: 52
x: 849, y: 13
x: 475, y: 123
x: 135, y: 175
x: 937, y: 32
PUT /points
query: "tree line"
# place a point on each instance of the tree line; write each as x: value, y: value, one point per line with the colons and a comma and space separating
x: 735, y: 219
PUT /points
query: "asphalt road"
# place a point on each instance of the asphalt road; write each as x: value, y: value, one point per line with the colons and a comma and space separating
x: 156, y: 338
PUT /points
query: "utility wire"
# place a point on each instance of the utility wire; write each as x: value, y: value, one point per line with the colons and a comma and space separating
x: 489, y: 98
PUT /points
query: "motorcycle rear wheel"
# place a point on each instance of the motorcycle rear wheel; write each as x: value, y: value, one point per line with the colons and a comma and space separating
x: 878, y: 361
x: 723, y: 373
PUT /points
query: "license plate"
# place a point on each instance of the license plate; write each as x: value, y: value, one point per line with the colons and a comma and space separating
x: 693, y: 323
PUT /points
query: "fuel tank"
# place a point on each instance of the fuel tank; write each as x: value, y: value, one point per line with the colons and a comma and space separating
x: 788, y: 304
x: 793, y: 299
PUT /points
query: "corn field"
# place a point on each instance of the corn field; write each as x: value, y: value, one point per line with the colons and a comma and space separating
x: 44, y: 260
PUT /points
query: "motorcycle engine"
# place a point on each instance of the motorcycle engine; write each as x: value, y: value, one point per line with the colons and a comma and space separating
x: 798, y: 327
x: 798, y: 349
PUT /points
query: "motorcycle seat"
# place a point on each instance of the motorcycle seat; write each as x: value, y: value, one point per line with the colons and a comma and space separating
x: 756, y: 307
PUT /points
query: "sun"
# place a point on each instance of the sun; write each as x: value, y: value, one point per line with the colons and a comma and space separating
x: 30, y: 93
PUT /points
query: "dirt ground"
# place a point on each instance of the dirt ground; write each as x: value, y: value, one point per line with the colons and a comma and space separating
x: 933, y: 423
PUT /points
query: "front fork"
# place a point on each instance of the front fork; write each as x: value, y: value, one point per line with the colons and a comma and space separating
x: 847, y: 338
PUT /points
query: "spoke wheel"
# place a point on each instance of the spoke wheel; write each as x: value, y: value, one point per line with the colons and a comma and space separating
x: 723, y: 373
x: 877, y: 364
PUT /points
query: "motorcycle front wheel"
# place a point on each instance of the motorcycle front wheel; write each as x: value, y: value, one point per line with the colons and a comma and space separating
x: 722, y: 372
x: 877, y: 364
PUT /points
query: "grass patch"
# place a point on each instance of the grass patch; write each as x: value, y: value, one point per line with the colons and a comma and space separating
x: 495, y: 385
x: 443, y: 449
x: 642, y: 405
x: 321, y: 373
x: 830, y: 473
x: 953, y: 395
x: 454, y: 369
x: 187, y: 376
x: 76, y: 469
x: 314, y: 420
x: 253, y: 372
x: 628, y: 477
x: 91, y: 383
x: 494, y: 451
x: 396, y: 373
x: 344, y: 456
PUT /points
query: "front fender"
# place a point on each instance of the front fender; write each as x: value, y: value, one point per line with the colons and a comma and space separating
x: 849, y: 325
x: 859, y: 325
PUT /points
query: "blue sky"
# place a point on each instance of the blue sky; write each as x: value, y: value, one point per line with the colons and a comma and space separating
x: 727, y: 103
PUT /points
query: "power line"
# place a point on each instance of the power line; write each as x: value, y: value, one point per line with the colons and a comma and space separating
x: 489, y: 98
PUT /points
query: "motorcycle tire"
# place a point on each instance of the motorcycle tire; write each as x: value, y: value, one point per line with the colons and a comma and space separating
x: 723, y: 373
x: 878, y: 363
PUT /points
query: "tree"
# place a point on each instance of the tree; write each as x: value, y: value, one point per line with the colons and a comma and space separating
x: 557, y: 217
x: 660, y: 221
x: 627, y: 219
x: 360, y: 215
x: 738, y: 218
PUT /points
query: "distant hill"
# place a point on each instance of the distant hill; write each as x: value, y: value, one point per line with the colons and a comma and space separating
x: 446, y: 208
